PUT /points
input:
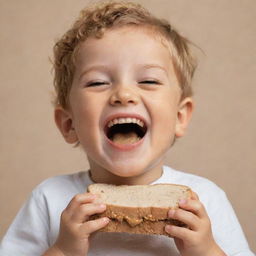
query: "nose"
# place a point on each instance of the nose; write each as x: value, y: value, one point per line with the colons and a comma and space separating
x: 123, y: 96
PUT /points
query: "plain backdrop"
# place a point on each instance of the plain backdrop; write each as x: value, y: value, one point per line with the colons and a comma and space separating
x: 221, y: 141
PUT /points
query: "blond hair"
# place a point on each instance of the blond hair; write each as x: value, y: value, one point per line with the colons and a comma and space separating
x: 95, y: 20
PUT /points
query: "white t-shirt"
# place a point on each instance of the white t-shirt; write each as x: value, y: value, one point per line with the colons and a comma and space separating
x: 36, y: 226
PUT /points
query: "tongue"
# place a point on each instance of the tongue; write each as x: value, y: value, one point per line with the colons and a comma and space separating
x: 125, y: 138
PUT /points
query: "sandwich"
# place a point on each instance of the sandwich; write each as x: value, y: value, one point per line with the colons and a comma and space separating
x: 139, y: 209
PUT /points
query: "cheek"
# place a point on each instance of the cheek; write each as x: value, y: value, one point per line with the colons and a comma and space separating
x: 165, y: 108
x: 166, y: 124
x: 84, y: 107
x: 86, y: 125
x: 86, y: 118
x: 164, y: 116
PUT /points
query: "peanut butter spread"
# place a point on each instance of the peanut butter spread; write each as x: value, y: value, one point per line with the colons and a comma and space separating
x: 132, y: 222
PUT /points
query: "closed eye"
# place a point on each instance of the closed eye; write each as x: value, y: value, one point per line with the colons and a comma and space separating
x: 95, y: 84
x: 149, y: 82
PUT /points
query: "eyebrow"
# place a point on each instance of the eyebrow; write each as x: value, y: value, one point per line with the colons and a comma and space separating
x: 105, y: 68
x: 95, y: 67
x: 148, y: 66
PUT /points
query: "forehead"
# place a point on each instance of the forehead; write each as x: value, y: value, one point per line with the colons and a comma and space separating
x: 132, y: 43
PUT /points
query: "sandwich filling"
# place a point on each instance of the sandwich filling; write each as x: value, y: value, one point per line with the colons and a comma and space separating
x: 132, y: 221
x: 125, y: 130
x: 125, y: 219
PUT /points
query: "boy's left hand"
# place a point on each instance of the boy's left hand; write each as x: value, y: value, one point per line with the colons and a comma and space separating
x: 197, y: 239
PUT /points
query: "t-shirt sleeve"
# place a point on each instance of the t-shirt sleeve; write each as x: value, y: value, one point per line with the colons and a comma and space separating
x: 225, y: 226
x: 27, y: 235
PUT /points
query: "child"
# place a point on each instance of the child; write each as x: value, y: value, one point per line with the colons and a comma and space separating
x: 123, y: 82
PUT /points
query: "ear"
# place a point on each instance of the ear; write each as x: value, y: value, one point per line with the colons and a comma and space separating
x: 184, y: 114
x: 64, y: 122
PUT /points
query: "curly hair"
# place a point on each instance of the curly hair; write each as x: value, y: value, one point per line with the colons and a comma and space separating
x: 95, y: 20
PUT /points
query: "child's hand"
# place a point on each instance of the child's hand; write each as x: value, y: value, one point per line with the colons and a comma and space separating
x: 197, y: 240
x: 75, y: 228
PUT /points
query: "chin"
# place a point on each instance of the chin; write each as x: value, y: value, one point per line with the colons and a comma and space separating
x: 127, y: 171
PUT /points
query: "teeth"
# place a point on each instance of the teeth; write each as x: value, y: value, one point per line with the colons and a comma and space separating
x: 127, y: 120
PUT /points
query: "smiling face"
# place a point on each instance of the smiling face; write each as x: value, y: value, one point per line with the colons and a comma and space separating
x: 125, y: 107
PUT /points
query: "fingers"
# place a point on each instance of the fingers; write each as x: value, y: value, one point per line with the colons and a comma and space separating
x: 79, y: 199
x: 93, y: 225
x: 75, y: 226
x: 194, y: 206
x: 179, y: 232
x: 190, y: 219
x: 194, y: 196
x: 198, y: 237
x: 187, y: 214
x: 85, y: 210
x: 191, y: 212
x: 81, y: 207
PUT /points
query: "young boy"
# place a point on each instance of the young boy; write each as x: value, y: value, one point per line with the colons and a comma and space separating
x: 123, y: 82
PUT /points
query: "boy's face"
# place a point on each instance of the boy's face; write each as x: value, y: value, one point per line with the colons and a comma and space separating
x: 125, y: 77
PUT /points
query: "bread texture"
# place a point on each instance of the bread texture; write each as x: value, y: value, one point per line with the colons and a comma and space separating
x: 139, y: 209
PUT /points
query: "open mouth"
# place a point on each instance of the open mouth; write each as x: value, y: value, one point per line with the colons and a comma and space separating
x: 125, y: 130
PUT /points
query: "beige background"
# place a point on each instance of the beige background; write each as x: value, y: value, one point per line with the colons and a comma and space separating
x: 220, y: 143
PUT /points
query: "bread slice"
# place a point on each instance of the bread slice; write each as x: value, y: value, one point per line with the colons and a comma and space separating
x: 140, y: 209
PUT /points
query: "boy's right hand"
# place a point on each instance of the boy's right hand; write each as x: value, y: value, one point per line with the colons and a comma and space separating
x: 75, y: 226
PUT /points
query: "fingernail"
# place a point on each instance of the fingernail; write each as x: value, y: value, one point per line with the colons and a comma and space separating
x: 106, y: 219
x: 168, y: 228
x: 103, y: 206
x: 171, y: 213
x: 182, y: 202
x: 92, y: 196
